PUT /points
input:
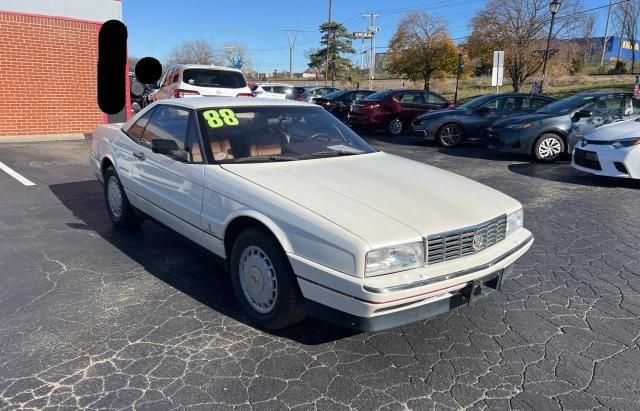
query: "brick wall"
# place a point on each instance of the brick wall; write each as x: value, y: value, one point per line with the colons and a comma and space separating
x: 47, y: 75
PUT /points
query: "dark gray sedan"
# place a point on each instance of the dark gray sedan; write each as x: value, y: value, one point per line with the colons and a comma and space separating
x: 556, y: 128
x: 470, y: 120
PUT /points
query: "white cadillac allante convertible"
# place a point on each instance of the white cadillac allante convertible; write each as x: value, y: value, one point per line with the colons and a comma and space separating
x: 309, y: 218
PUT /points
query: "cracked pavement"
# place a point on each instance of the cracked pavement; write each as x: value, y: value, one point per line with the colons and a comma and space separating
x: 92, y: 317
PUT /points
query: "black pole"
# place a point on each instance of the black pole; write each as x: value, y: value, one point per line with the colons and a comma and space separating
x: 546, y: 53
x: 455, y: 98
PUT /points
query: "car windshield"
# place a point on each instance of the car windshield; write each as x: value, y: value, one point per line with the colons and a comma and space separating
x: 276, y: 133
x: 380, y: 95
x: 298, y: 90
x: 475, y: 103
x: 214, y: 78
x: 566, y: 105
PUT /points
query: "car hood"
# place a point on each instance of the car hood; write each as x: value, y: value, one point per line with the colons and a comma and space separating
x: 523, y: 118
x: 381, y: 197
x: 440, y: 113
x: 616, y: 131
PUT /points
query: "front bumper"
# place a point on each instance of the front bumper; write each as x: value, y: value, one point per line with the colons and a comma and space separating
x: 470, y: 293
x: 388, y: 301
x: 605, y: 160
x: 95, y: 164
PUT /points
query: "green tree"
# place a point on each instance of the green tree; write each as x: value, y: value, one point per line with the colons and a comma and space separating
x: 336, y: 41
x: 421, y: 49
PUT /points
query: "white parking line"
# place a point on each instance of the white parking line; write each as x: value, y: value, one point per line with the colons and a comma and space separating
x: 15, y: 175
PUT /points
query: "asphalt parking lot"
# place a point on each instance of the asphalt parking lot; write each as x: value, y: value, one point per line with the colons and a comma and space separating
x: 93, y: 317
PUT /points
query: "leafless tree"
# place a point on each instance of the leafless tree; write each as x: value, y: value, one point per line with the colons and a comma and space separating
x: 193, y: 52
x: 628, y: 19
x: 520, y: 28
x: 231, y: 52
x: 587, y: 27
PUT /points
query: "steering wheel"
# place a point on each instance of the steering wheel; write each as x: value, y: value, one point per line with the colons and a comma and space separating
x: 319, y: 136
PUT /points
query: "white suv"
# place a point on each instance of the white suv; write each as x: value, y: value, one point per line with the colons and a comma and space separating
x: 184, y: 80
x: 272, y: 90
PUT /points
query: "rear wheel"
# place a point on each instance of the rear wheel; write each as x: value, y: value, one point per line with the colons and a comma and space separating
x: 450, y: 135
x: 264, y: 282
x: 548, y: 148
x: 120, y: 211
x: 395, y: 127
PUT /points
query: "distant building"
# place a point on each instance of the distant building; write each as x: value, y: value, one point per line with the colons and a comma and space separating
x: 613, y: 46
x: 49, y: 53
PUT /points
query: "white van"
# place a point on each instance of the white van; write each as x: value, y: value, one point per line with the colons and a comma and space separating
x: 183, y: 80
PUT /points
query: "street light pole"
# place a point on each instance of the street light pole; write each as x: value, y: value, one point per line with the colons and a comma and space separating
x: 554, y: 7
x: 460, y: 69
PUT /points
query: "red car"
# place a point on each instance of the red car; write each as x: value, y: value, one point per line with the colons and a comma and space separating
x: 394, y: 110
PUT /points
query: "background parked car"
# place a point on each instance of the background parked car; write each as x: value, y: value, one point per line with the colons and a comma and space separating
x: 272, y: 90
x: 308, y: 93
x: 470, y: 120
x: 183, y: 80
x: 555, y: 129
x: 339, y: 102
x: 394, y: 110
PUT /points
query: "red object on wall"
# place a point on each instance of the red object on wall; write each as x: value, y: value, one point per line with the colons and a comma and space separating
x: 48, y: 75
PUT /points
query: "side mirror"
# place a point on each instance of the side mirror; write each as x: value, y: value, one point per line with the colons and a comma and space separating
x: 582, y: 114
x: 483, y: 110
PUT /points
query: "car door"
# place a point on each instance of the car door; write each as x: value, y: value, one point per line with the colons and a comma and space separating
x: 635, y: 108
x: 173, y: 186
x: 412, y: 104
x: 488, y: 113
x: 127, y: 151
x: 604, y: 110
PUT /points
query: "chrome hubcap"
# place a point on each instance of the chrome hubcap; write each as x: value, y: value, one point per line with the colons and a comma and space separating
x: 549, y: 148
x: 114, y: 196
x: 395, y: 127
x: 258, y: 279
x: 450, y: 135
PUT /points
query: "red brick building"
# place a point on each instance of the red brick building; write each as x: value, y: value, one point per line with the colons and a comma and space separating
x: 48, y: 57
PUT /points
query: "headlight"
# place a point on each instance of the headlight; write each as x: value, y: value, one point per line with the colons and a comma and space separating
x: 519, y: 126
x: 418, y: 122
x: 515, y: 220
x: 627, y: 142
x: 393, y: 259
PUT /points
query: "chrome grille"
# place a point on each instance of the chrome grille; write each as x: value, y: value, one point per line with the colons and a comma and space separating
x: 460, y: 243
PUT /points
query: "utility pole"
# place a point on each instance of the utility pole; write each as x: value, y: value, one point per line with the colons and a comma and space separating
x: 372, y: 57
x: 292, y: 44
x: 606, y: 30
x: 329, y: 34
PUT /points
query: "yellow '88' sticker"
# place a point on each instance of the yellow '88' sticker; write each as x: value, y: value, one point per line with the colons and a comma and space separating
x: 222, y: 117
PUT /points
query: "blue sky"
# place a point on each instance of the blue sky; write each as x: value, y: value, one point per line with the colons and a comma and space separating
x: 155, y: 28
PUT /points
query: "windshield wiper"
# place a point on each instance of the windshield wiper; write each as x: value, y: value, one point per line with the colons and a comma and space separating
x: 330, y: 153
x: 263, y: 159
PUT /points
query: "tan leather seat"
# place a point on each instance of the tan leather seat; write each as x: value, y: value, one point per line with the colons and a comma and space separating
x: 265, y: 142
x: 221, y: 149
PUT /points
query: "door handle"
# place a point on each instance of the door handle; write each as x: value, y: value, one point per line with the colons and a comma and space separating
x: 139, y: 155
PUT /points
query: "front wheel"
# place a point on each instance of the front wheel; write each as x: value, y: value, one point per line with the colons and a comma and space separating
x: 120, y: 211
x: 395, y: 127
x: 264, y: 282
x: 548, y: 148
x: 450, y: 135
